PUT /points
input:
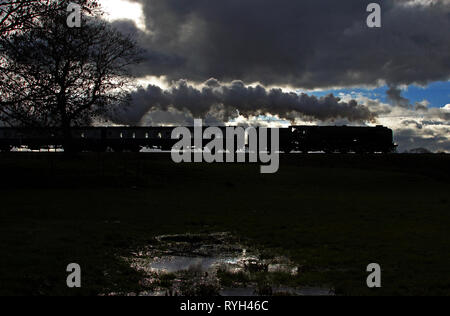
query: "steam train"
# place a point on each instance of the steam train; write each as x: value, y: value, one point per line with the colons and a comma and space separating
x: 329, y: 139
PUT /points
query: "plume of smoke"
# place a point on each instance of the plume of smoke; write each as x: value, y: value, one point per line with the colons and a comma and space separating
x: 227, y: 100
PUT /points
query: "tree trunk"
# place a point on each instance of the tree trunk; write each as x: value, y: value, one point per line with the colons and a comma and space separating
x: 68, y: 145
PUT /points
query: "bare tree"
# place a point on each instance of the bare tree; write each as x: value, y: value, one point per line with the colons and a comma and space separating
x: 25, y: 14
x: 16, y: 14
x: 59, y: 77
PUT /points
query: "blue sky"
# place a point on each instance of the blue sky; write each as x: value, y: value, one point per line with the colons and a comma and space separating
x: 437, y: 93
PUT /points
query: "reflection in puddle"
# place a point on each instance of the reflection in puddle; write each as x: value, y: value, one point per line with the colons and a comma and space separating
x: 213, y: 265
x: 177, y: 264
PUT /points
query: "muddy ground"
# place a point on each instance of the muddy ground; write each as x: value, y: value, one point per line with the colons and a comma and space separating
x: 328, y: 215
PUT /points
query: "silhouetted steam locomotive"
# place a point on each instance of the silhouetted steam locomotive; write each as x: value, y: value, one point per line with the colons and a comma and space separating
x: 329, y: 139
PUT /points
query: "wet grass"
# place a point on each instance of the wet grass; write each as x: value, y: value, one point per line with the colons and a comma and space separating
x: 332, y: 215
x: 229, y: 279
x: 165, y: 280
x: 262, y: 281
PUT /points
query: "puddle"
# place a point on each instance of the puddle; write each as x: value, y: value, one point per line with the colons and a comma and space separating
x: 213, y: 265
x: 177, y: 264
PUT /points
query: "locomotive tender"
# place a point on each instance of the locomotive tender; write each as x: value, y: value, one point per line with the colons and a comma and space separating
x: 329, y: 139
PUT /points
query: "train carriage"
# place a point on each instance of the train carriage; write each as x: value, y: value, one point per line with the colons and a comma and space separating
x: 330, y: 139
x: 342, y: 139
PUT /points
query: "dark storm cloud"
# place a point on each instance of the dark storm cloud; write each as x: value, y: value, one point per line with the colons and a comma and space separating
x: 230, y: 99
x: 414, y: 123
x: 411, y: 138
x: 394, y: 94
x: 308, y: 43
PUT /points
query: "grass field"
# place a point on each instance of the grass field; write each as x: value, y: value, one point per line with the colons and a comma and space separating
x: 333, y: 215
